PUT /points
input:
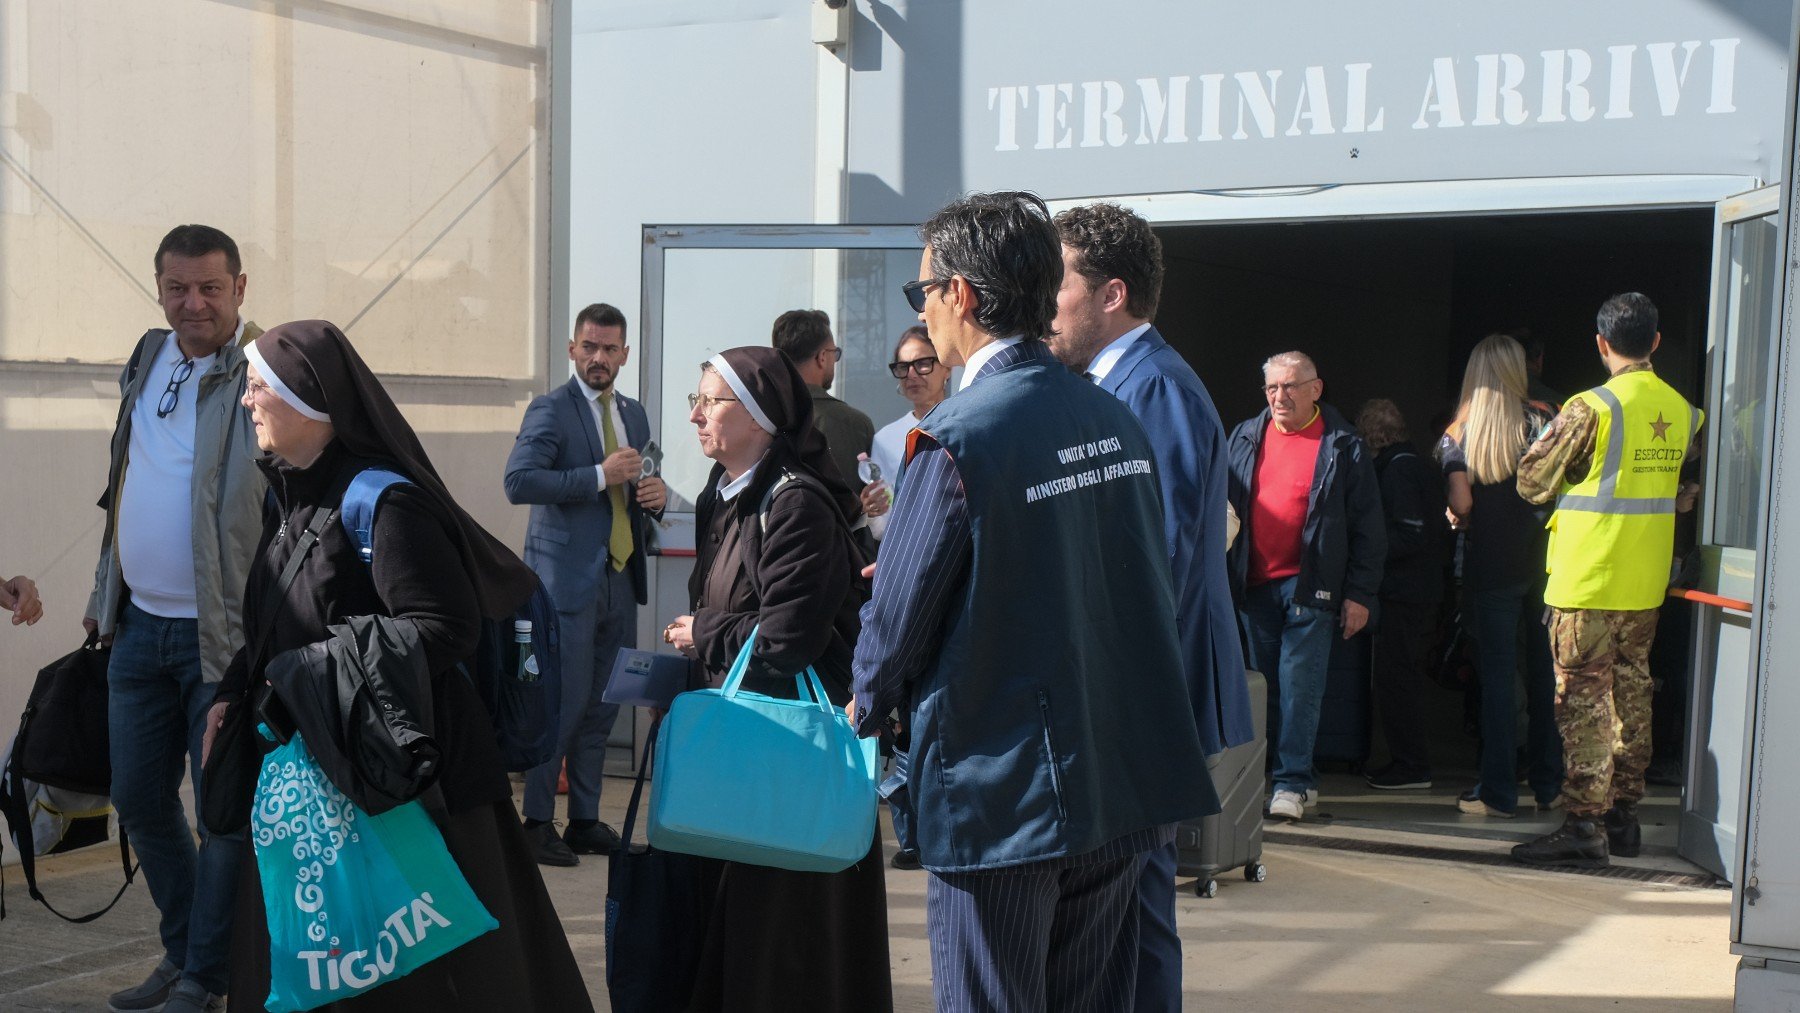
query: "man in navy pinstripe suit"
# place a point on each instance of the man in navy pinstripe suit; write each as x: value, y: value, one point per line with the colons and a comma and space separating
x: 1023, y: 624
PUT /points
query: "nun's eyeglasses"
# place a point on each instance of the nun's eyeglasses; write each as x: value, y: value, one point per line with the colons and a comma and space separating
x: 705, y: 402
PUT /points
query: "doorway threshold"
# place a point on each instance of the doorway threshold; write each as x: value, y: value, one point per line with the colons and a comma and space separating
x: 1426, y: 825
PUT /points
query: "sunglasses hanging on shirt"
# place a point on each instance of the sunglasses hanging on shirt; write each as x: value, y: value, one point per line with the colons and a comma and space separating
x: 171, y: 395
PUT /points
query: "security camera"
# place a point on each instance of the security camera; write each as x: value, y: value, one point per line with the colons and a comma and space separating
x: 836, y: 4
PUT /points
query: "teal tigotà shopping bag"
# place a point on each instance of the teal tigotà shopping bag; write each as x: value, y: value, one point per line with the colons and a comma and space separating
x: 353, y: 900
x: 765, y: 781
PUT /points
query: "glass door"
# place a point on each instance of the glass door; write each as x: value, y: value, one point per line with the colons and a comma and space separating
x: 711, y: 287
x: 1736, y: 442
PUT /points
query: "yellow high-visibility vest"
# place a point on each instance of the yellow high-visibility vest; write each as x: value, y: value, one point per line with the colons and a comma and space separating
x: 1612, y: 537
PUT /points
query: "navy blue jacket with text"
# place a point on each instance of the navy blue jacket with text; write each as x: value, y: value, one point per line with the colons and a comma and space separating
x: 1178, y: 415
x: 1024, y: 625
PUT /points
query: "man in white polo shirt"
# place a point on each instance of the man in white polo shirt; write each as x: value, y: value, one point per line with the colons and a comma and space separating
x: 184, y: 512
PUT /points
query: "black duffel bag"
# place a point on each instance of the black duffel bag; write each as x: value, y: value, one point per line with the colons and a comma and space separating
x: 62, y: 734
x: 656, y: 913
x: 63, y: 743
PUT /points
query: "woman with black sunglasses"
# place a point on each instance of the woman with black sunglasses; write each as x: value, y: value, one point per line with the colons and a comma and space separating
x: 923, y: 381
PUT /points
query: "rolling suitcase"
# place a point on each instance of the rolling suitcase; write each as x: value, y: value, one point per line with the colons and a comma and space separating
x: 1232, y: 838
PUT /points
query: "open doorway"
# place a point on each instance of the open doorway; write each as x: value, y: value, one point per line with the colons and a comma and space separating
x: 1391, y: 308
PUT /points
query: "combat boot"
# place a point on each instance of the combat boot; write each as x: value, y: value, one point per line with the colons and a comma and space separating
x: 1580, y: 842
x: 1623, y: 835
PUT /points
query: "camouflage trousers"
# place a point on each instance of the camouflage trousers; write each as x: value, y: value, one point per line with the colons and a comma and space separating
x: 1602, y: 704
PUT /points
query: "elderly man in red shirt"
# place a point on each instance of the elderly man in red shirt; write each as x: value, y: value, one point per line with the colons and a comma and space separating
x: 1308, y: 561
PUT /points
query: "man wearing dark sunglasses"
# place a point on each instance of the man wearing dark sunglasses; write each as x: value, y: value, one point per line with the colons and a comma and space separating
x: 1023, y: 623
x: 184, y: 513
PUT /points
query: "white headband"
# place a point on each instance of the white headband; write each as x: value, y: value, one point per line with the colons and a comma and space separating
x: 737, y: 387
x: 281, y: 389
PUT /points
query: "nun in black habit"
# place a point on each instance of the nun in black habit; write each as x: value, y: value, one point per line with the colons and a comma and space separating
x: 784, y: 565
x: 323, y: 416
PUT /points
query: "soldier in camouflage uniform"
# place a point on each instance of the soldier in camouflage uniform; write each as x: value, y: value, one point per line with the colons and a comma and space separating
x: 1609, y: 560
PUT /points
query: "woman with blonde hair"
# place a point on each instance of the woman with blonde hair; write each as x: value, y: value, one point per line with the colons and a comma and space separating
x: 1503, y: 574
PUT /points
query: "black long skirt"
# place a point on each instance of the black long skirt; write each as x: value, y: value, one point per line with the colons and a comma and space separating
x: 525, y: 964
x: 789, y: 941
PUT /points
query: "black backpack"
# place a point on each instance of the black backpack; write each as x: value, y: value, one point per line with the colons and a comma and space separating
x: 525, y: 714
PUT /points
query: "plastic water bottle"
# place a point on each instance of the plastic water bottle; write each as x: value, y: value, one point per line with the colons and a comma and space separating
x: 870, y: 473
x: 528, y: 664
x: 867, y: 470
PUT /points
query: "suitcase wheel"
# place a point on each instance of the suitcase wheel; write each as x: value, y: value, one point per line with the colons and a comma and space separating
x: 1208, y: 888
x: 1256, y: 872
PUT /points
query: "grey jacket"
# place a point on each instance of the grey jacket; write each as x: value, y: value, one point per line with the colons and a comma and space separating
x: 228, y: 498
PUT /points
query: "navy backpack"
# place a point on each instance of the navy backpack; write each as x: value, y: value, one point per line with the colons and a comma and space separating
x: 525, y: 714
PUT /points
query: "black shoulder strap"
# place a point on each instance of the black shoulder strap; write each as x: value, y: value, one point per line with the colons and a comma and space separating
x: 18, y: 820
x: 137, y: 354
x: 322, y: 518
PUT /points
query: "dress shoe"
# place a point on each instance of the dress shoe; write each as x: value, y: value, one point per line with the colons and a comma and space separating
x: 906, y: 859
x: 548, y: 848
x: 584, y: 838
x: 1623, y: 835
x: 1579, y: 843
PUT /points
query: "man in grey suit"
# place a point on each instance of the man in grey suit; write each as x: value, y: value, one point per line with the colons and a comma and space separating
x: 577, y: 462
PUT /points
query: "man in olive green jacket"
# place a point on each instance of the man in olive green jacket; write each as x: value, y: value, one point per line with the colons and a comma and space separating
x: 184, y: 511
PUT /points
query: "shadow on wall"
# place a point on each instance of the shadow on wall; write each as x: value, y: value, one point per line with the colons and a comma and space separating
x: 928, y: 145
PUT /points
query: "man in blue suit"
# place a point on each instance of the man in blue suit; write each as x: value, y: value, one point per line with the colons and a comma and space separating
x: 576, y: 462
x: 1024, y: 625
x: 1112, y: 280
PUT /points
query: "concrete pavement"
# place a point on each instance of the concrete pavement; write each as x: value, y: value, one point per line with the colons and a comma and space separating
x: 1330, y: 929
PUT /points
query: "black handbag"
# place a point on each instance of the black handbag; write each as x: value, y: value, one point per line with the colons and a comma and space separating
x: 657, y: 904
x: 63, y: 743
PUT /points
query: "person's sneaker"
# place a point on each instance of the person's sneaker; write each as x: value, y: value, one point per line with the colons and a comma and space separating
x: 1312, y: 797
x: 1580, y: 843
x: 1395, y: 779
x: 192, y: 997
x: 1287, y: 805
x: 548, y: 848
x: 1623, y: 835
x: 906, y: 859
x: 149, y: 994
x: 584, y: 838
x: 1470, y: 802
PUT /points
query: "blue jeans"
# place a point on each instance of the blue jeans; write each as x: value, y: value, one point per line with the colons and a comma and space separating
x: 1291, y: 646
x: 591, y: 640
x: 1500, y: 612
x: 156, y: 709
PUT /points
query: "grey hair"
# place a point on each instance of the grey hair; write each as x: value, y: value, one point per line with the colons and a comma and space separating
x: 1291, y: 360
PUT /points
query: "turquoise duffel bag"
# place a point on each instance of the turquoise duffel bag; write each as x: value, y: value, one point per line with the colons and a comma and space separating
x: 764, y: 781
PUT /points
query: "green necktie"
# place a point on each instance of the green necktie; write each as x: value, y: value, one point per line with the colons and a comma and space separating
x: 618, y: 546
